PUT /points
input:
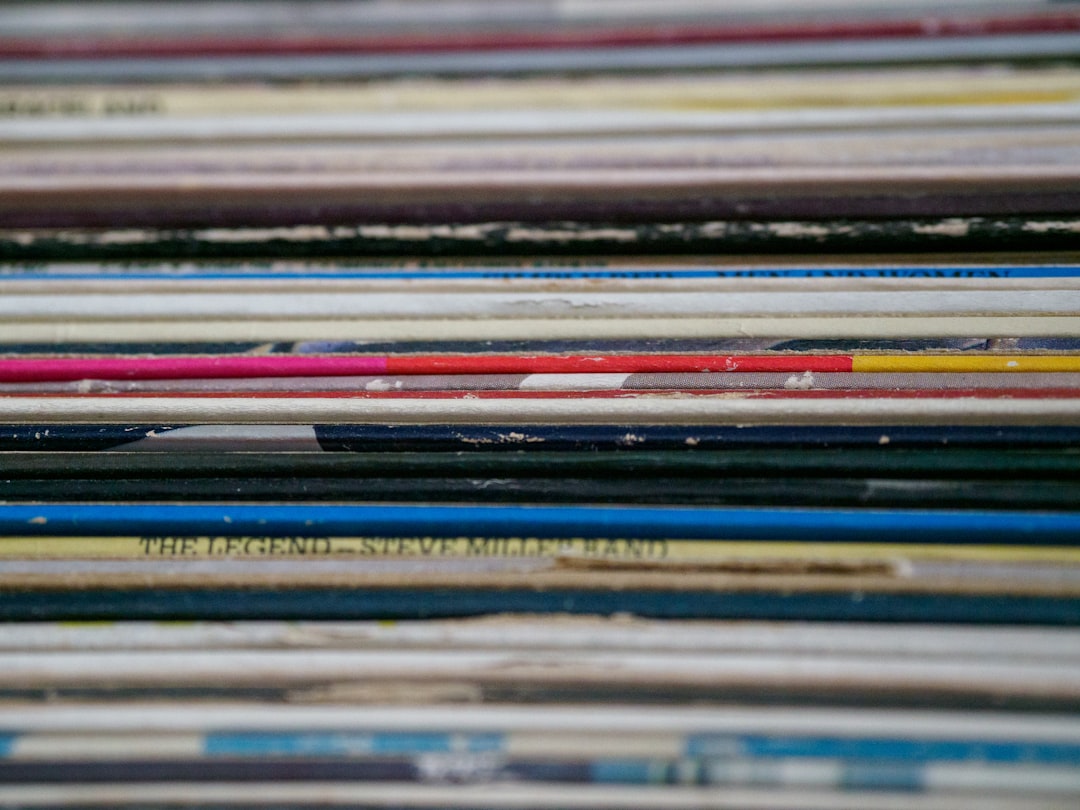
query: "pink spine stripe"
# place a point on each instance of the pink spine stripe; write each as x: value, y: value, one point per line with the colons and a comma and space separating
x: 180, y: 368
x: 91, y: 47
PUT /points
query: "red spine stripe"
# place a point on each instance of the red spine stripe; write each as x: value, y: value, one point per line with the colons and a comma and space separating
x: 611, y: 364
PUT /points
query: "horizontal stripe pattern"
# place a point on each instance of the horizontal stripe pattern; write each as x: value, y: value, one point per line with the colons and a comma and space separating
x: 404, y: 331
x: 193, y: 274
x: 962, y: 527
x: 674, y: 409
x: 58, y: 369
x: 181, y: 306
x: 730, y: 555
x: 874, y: 50
x: 148, y: 596
x: 624, y: 381
x: 381, y: 438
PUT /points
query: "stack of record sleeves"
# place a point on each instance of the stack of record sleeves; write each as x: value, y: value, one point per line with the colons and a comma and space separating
x: 533, y: 404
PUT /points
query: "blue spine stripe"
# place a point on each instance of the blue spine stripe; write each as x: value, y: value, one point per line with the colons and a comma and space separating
x: 883, y: 776
x: 374, y: 743
x: 884, y: 749
x: 820, y: 525
x: 631, y: 772
x: 556, y: 273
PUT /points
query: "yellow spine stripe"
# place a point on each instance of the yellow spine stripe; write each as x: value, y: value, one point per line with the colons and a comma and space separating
x: 964, y: 363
